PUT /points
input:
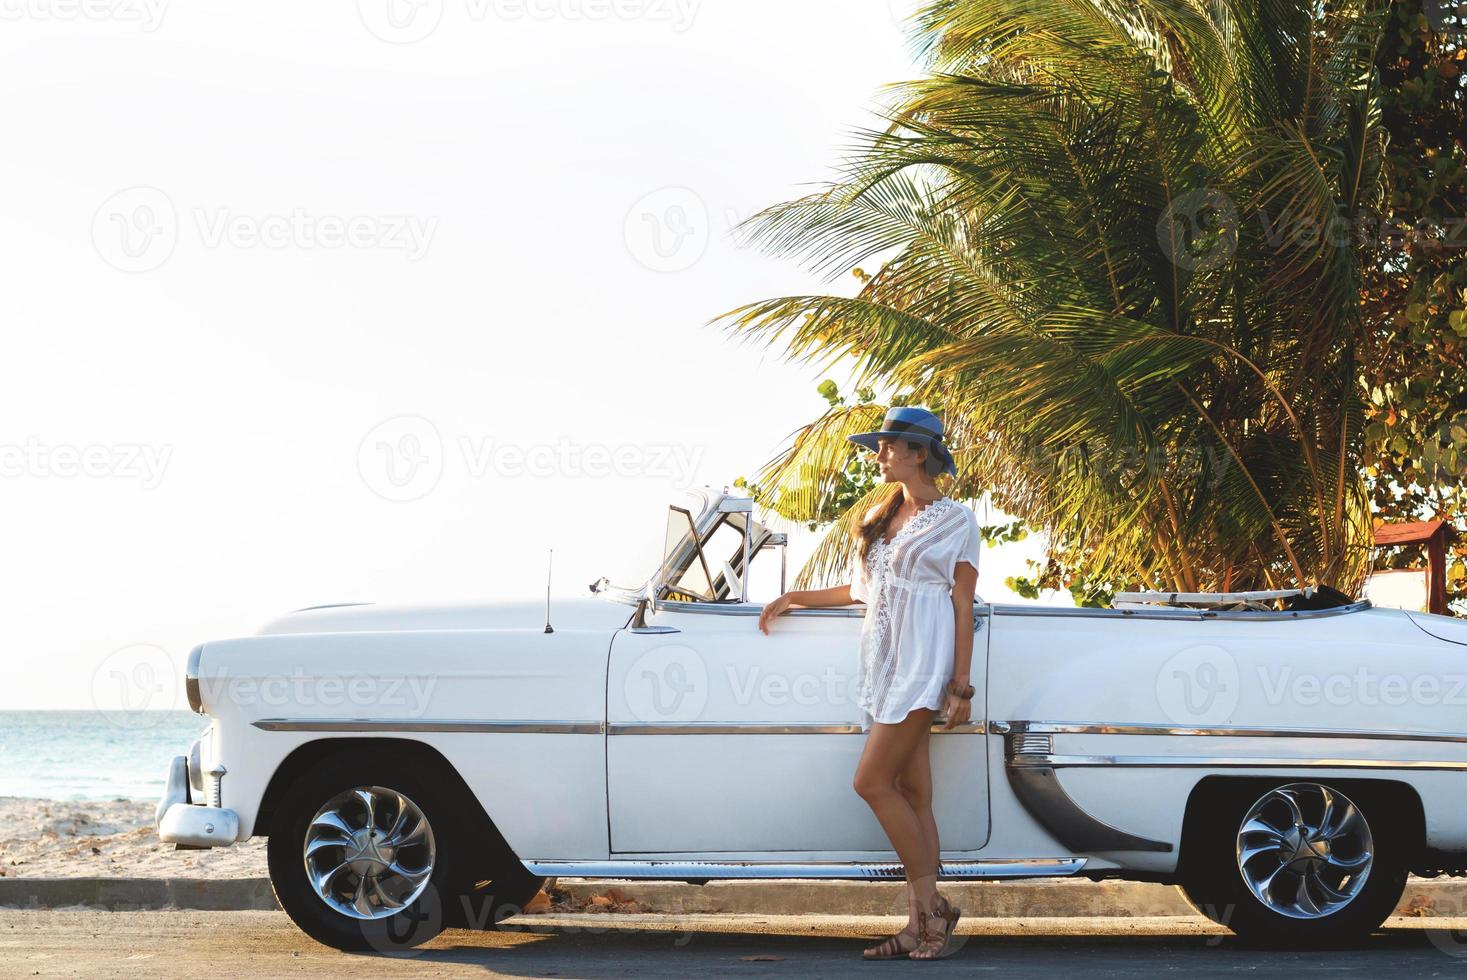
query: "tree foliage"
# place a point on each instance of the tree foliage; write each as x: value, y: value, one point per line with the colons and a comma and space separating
x: 1414, y: 374
x: 1108, y: 245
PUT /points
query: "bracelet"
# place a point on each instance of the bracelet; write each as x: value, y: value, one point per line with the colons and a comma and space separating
x: 964, y: 693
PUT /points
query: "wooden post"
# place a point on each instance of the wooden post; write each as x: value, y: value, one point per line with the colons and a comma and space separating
x: 1433, y: 534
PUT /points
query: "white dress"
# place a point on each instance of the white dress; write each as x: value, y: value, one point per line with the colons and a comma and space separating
x: 907, y: 640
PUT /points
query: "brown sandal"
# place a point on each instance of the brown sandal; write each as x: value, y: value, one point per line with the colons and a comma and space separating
x: 935, y: 943
x: 890, y: 948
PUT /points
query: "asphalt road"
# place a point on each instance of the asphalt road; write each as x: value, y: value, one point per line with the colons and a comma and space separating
x: 265, y: 944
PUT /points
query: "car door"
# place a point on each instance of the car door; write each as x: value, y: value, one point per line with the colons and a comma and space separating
x: 722, y: 739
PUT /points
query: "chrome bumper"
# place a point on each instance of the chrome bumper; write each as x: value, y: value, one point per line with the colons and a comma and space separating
x: 181, y: 821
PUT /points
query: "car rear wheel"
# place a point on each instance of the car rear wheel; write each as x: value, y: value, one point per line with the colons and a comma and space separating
x: 380, y: 850
x: 1299, y: 864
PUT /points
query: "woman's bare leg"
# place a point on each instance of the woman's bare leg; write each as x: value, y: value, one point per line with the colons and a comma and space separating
x: 915, y: 783
x: 888, y: 751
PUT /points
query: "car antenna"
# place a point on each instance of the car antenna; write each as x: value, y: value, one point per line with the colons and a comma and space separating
x: 548, y: 563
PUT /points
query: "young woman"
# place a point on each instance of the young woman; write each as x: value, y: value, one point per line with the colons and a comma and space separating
x: 917, y: 574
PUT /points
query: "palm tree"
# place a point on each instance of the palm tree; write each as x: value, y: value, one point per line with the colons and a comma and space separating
x: 1117, y: 245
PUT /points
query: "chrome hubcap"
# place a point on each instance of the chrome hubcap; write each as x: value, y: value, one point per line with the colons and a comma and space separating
x: 1305, y: 850
x: 369, y: 852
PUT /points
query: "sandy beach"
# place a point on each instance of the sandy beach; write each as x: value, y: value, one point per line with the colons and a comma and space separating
x: 91, y: 839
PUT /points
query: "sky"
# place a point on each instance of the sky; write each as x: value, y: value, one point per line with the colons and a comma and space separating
x: 382, y: 300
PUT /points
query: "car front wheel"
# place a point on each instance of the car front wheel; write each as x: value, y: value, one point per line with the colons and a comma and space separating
x: 1299, y: 864
x: 364, y: 853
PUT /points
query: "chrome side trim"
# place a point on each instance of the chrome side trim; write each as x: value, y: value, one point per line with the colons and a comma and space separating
x: 576, y: 727
x: 1230, y: 731
x: 1199, y: 598
x: 854, y: 611
x: 1015, y: 609
x: 737, y: 728
x: 852, y: 871
x: 1228, y: 762
x: 1248, y: 615
x: 1039, y: 789
x: 1029, y: 743
x: 427, y: 725
x: 753, y: 609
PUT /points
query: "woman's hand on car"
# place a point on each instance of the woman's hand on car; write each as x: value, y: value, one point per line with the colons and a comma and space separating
x: 959, y: 710
x: 771, y: 609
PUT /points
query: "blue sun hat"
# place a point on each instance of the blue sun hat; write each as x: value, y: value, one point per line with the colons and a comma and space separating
x: 916, y: 424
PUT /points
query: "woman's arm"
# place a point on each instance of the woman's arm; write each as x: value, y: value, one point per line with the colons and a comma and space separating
x: 838, y: 595
x: 965, y: 584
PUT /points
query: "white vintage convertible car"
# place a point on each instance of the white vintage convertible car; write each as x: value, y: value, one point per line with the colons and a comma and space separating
x: 1287, y: 757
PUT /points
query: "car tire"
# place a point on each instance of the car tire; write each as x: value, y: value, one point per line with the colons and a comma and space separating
x: 1297, y: 863
x: 383, y: 900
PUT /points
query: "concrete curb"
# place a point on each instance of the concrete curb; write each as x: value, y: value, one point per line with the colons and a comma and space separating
x: 139, y: 894
x: 986, y: 899
x: 978, y: 899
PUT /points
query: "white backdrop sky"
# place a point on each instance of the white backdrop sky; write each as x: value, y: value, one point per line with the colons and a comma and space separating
x: 248, y: 246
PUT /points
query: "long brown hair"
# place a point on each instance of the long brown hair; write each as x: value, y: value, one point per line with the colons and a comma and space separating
x: 873, y: 525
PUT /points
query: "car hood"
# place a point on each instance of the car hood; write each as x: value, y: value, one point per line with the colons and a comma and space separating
x: 1447, y: 628
x: 363, y: 617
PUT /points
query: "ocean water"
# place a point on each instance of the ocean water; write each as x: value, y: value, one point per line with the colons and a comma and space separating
x: 92, y: 755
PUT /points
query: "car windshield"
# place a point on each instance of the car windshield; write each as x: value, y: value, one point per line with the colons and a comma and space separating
x: 708, y: 567
x: 684, y: 562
